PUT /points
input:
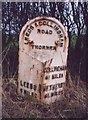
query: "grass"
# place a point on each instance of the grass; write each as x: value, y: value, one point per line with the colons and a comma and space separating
x: 73, y: 105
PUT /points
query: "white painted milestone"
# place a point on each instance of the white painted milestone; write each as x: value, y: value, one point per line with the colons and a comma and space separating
x: 43, y: 50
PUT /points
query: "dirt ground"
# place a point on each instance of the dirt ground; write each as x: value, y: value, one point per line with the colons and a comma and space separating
x: 73, y: 105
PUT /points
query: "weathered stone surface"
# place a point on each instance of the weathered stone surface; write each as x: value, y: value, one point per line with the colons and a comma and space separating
x: 43, y: 49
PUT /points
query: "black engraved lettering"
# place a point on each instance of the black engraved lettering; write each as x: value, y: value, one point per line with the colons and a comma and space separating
x: 36, y: 47
x: 50, y: 32
x: 27, y: 85
x: 31, y: 86
x: 29, y: 30
x: 21, y: 83
x: 21, y: 90
x: 40, y: 23
x: 44, y: 23
x: 38, y: 31
x: 43, y: 31
x: 52, y: 95
x: 27, y: 34
x: 58, y: 32
x: 32, y: 46
x: 26, y: 38
x: 25, y: 91
x: 36, y: 24
x: 31, y: 27
x: 35, y: 87
x: 61, y: 44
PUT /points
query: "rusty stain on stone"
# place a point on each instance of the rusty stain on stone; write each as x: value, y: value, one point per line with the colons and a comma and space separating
x: 65, y: 42
x: 32, y: 67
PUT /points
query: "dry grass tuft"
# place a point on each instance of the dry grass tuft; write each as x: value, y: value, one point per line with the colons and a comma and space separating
x: 73, y: 105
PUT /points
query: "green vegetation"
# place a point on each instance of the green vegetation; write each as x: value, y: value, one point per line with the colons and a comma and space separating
x: 73, y: 40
